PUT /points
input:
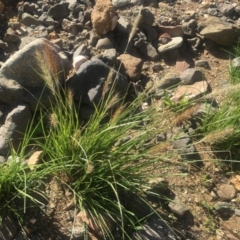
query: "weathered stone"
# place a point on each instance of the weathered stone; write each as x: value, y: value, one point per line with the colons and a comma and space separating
x: 221, y: 34
x: 78, y: 61
x: 28, y: 20
x: 104, y: 43
x: 169, y: 80
x: 226, y: 9
x: 191, y: 92
x: 182, y: 65
x: 175, y: 42
x: 12, y: 132
x: 59, y: 10
x: 155, y: 230
x: 149, y: 52
x: 191, y: 75
x: 132, y: 66
x: 110, y: 56
x: 88, y: 82
x: 11, y: 36
x: 81, y: 50
x: 226, y: 192
x: 202, y: 63
x: 178, y: 207
x: 103, y: 16
x: 28, y: 74
x: 69, y: 26
x: 46, y: 20
x: 120, y: 3
x: 123, y: 26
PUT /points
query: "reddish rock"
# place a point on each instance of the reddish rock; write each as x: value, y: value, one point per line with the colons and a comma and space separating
x: 191, y: 92
x: 132, y: 65
x: 103, y: 16
x: 182, y: 65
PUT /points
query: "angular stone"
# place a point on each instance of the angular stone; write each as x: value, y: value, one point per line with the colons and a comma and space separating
x: 104, y: 43
x: 178, y: 207
x: 149, y: 52
x: 132, y: 66
x: 190, y: 76
x: 202, y: 63
x: 191, y: 92
x: 35, y: 158
x: 103, y: 16
x: 189, y: 28
x: 123, y: 26
x: 28, y: 20
x: 175, y: 42
x: 88, y: 82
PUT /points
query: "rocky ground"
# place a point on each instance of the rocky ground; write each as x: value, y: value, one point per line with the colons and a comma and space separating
x: 152, y: 43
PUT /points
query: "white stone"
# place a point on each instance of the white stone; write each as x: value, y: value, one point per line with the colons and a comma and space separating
x: 78, y: 61
x: 174, y: 43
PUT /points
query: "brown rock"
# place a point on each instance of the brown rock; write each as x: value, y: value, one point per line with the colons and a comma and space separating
x: 53, y: 36
x: 182, y: 65
x: 236, y: 182
x: 103, y: 16
x: 190, y: 92
x: 132, y: 65
x: 226, y: 192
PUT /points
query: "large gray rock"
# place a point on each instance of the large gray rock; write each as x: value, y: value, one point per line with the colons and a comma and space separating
x: 32, y: 74
x: 12, y: 132
x: 88, y: 82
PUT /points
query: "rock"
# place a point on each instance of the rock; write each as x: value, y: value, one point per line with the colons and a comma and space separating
x: 69, y: 26
x: 74, y: 7
x: 104, y: 43
x: 175, y: 42
x: 150, y: 32
x: 221, y: 34
x: 226, y: 9
x: 12, y: 132
x: 236, y: 62
x: 11, y: 36
x: 182, y: 65
x: 8, y: 228
x: 152, y: 3
x: 158, y: 185
x: 224, y: 209
x: 82, y: 50
x: 78, y: 232
x: 59, y: 10
x: 236, y: 182
x: 28, y: 20
x: 104, y: 18
x: 237, y: 212
x: 110, y: 56
x: 132, y: 66
x: 149, y: 52
x: 155, y: 230
x: 147, y: 16
x: 24, y: 76
x: 123, y: 26
x: 78, y: 61
x: 202, y: 63
x: 120, y: 3
x: 190, y: 92
x: 169, y: 80
x: 88, y: 82
x: 178, y: 207
x: 157, y: 67
x: 191, y: 75
x: 189, y: 28
x: 226, y: 192
x: 46, y: 20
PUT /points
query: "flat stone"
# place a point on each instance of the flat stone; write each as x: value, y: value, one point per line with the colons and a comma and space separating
x: 190, y: 92
x: 175, y: 42
x: 181, y: 65
x: 202, y: 63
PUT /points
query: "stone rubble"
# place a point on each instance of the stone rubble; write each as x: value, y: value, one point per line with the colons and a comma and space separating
x: 46, y: 41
